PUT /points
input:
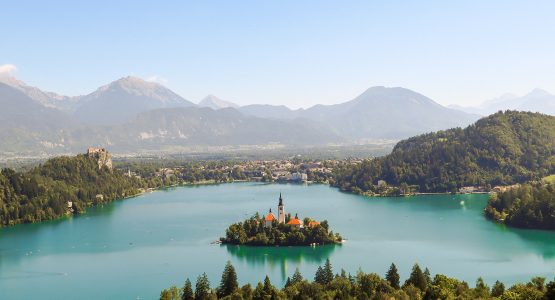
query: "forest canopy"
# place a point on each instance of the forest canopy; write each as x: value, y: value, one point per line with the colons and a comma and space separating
x: 43, y: 192
x: 502, y: 149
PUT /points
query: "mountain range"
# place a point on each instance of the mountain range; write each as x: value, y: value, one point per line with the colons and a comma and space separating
x: 537, y: 100
x: 131, y: 114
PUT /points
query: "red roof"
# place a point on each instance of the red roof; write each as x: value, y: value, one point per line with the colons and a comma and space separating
x: 313, y: 224
x: 294, y: 221
x: 270, y: 217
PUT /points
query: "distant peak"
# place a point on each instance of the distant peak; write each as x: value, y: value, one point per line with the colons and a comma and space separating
x: 216, y: 103
x: 537, y: 92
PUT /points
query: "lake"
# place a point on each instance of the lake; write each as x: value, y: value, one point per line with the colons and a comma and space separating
x: 136, y: 247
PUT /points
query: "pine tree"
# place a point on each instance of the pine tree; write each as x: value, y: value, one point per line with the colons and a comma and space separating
x: 481, y: 290
x: 229, y: 283
x: 288, y: 282
x: 417, y: 278
x: 392, y: 276
x: 297, y: 277
x: 269, y: 289
x: 498, y: 289
x: 202, y: 287
x: 328, y: 272
x: 428, y: 276
x: 188, y: 291
x: 319, y: 276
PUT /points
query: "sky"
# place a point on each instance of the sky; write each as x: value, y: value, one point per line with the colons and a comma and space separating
x: 295, y: 53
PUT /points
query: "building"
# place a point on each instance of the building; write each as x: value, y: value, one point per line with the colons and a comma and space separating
x: 281, y: 211
x: 299, y: 177
x: 269, y: 219
x: 313, y: 224
x: 295, y: 222
x: 102, y: 156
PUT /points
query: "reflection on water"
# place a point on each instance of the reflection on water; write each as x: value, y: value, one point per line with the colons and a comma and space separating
x: 281, y: 257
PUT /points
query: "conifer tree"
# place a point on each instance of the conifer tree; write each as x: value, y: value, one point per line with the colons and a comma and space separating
x: 417, y: 278
x: 328, y: 272
x: 297, y: 277
x: 392, y: 276
x: 319, y: 276
x: 188, y: 293
x: 202, y: 287
x: 229, y: 283
x: 498, y: 289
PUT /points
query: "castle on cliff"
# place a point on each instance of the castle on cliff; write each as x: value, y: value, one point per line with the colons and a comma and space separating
x: 103, y: 157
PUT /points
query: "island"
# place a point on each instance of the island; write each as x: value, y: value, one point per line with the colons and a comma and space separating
x: 281, y: 231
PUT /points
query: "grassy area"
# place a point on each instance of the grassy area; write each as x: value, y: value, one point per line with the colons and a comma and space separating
x: 549, y: 179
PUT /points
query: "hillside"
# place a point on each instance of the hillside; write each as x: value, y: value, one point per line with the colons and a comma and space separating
x: 43, y: 193
x: 26, y: 125
x: 502, y: 149
x: 204, y: 126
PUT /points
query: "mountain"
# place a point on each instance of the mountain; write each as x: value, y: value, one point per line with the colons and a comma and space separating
x: 193, y: 126
x: 270, y: 111
x: 26, y: 125
x: 214, y: 102
x: 502, y: 149
x: 390, y: 113
x: 378, y: 113
x: 119, y: 101
x: 47, y: 99
x: 537, y: 100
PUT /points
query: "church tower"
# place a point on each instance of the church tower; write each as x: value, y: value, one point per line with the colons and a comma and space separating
x: 281, y: 211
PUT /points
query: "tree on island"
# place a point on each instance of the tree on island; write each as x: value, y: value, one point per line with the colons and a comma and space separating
x: 255, y: 232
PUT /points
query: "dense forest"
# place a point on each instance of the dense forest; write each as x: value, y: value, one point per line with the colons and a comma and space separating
x: 254, y: 232
x: 43, y: 192
x: 327, y: 285
x: 501, y: 149
x: 529, y: 205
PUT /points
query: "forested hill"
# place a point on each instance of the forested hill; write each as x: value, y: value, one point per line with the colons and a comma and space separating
x: 43, y: 192
x: 504, y: 148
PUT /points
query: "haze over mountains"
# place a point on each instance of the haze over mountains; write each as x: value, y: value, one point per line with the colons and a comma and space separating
x: 537, y: 100
x: 130, y: 115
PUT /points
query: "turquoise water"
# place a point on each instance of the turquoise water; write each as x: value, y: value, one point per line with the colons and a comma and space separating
x: 136, y: 247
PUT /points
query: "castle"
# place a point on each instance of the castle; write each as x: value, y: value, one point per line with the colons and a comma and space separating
x: 104, y: 158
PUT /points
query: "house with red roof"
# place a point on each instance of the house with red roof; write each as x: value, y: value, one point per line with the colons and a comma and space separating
x: 269, y: 219
x: 295, y: 222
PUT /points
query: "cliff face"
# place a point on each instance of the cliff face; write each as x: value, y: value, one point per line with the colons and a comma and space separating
x: 103, y: 157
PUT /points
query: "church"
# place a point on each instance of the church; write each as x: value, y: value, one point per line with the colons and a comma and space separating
x: 270, y: 218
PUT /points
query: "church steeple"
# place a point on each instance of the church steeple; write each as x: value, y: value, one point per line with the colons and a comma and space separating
x: 281, y: 210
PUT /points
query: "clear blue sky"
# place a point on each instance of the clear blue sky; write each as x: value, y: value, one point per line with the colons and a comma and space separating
x: 296, y: 53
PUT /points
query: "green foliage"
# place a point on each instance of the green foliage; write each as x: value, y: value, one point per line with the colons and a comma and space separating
x: 502, y: 149
x: 229, y: 283
x: 371, y: 286
x: 188, y: 293
x: 527, y: 206
x: 253, y: 232
x: 43, y: 192
x: 202, y: 287
x: 392, y: 276
x: 170, y: 294
x: 417, y: 278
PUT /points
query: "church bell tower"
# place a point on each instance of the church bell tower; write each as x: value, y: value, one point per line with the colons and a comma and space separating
x: 281, y: 210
